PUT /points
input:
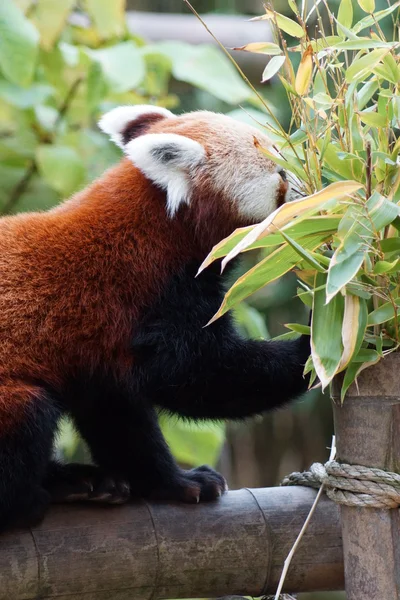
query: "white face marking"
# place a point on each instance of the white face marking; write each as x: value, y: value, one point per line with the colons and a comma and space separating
x: 235, y: 167
x: 169, y: 160
x: 114, y: 122
x: 227, y: 159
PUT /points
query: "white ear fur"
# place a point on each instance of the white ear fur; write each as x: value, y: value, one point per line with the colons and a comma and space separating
x: 167, y: 159
x: 114, y: 122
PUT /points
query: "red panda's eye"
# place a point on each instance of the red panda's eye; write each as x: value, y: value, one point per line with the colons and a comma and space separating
x: 282, y: 173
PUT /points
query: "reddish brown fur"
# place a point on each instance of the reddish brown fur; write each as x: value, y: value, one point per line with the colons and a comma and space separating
x: 74, y: 280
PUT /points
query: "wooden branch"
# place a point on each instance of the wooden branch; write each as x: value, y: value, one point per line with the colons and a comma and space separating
x: 151, y: 551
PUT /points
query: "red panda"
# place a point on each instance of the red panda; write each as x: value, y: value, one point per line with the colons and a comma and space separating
x: 102, y: 318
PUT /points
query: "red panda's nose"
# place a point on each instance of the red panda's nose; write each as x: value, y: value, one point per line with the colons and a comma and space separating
x: 282, y: 189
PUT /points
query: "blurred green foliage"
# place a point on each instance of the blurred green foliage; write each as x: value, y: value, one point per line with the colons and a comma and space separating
x: 60, y: 68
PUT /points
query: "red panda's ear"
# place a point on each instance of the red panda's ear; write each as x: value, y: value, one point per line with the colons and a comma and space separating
x: 170, y: 161
x: 125, y: 123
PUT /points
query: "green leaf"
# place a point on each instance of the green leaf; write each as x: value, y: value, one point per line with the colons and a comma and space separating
x: 341, y: 272
x: 251, y: 322
x: 354, y: 368
x: 383, y: 314
x: 287, y: 25
x: 375, y: 18
x: 382, y: 212
x: 284, y: 23
x: 366, y: 92
x: 123, y: 65
x: 363, y: 66
x: 383, y: 266
x: 301, y: 228
x: 268, y: 48
x: 303, y: 253
x: 298, y: 328
x: 345, y: 13
x: 290, y: 335
x: 50, y: 17
x: 389, y: 70
x: 23, y: 98
x: 61, y: 167
x: 362, y: 44
x: 18, y: 44
x: 204, y: 66
x: 270, y: 268
x: 367, y: 5
x: 108, y: 16
x: 272, y: 67
x: 326, y: 332
x: 97, y: 87
x: 372, y: 119
x: 390, y: 244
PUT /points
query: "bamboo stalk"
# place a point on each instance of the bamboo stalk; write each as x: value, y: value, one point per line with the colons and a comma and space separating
x: 151, y: 551
x: 367, y: 430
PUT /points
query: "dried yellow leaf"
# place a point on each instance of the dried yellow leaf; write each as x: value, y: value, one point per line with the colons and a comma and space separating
x: 304, y: 72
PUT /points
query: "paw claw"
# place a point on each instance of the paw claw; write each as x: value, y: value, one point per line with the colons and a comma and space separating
x: 196, y: 485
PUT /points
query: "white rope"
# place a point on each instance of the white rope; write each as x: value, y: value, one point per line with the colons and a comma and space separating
x: 352, y: 485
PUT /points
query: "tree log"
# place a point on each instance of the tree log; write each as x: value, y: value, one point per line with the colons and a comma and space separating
x: 149, y: 551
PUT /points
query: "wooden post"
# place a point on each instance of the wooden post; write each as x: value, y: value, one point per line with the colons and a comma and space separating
x: 368, y: 433
x: 151, y: 551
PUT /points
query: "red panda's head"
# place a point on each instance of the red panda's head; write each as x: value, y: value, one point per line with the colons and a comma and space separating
x: 201, y: 151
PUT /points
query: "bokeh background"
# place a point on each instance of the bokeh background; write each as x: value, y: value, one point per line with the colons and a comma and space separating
x: 73, y: 60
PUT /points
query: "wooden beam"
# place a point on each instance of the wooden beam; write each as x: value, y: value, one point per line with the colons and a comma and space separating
x: 150, y: 551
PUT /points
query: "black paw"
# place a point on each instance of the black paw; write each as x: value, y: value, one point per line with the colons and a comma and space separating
x: 197, y: 485
x: 85, y: 483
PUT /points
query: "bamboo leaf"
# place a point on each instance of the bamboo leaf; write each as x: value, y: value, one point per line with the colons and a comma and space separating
x: 272, y: 68
x: 384, y: 313
x: 383, y: 266
x: 286, y: 212
x: 375, y: 18
x: 261, y: 48
x: 340, y: 273
x: 367, y: 5
x: 284, y: 23
x: 345, y: 13
x: 354, y: 369
x: 302, y: 228
x: 298, y: 328
x: 353, y: 328
x: 304, y: 72
x: 303, y: 253
x: 362, y: 67
x: 372, y: 118
x: 269, y: 269
x: 326, y: 332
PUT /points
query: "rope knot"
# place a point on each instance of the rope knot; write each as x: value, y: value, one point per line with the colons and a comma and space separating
x: 351, y: 485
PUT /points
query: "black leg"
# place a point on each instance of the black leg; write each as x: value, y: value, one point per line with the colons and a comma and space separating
x: 125, y: 441
x: 29, y: 421
x: 244, y: 378
x: 211, y: 372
